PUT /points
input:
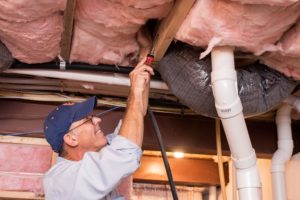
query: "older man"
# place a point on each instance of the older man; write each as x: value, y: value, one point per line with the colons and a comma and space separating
x: 90, y: 164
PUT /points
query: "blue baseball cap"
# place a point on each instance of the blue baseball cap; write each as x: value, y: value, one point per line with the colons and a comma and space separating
x: 58, y: 122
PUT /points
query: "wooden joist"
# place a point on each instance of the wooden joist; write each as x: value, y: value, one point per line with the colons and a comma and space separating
x: 14, y: 195
x: 66, y: 38
x: 185, y: 171
x: 169, y: 27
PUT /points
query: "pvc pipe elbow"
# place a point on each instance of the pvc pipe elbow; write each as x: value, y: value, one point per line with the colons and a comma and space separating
x: 248, y: 178
x: 282, y: 155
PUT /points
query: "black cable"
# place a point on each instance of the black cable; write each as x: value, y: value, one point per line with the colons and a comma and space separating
x: 163, y: 153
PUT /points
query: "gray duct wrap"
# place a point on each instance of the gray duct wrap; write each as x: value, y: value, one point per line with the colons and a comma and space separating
x: 6, y: 58
x: 260, y: 87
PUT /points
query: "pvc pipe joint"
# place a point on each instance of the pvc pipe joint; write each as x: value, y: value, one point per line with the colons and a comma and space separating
x: 283, y: 154
x: 246, y: 162
x: 248, y: 178
x: 227, y: 101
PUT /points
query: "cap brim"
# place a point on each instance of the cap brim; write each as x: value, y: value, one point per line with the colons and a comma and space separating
x: 83, y: 109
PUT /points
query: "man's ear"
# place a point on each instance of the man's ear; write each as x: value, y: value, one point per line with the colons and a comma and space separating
x: 71, y: 139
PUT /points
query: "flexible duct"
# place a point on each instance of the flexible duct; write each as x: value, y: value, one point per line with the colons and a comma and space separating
x: 259, y: 87
x: 6, y: 58
x: 285, y: 148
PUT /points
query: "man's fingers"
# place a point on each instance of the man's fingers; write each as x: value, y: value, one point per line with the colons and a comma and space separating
x: 146, y: 68
x: 141, y: 63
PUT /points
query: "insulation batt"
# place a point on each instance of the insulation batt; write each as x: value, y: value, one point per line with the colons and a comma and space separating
x: 252, y: 28
x: 29, y: 10
x: 286, y: 58
x: 105, y: 31
x: 25, y: 170
x: 35, y: 41
x: 31, y: 30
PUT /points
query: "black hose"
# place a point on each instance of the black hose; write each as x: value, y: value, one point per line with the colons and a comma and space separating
x: 163, y: 153
x: 74, y: 66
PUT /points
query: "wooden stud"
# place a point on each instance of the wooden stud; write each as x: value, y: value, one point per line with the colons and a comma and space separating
x: 169, y: 27
x: 66, y: 38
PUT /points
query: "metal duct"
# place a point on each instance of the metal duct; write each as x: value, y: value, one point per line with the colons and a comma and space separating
x: 6, y: 58
x: 259, y: 87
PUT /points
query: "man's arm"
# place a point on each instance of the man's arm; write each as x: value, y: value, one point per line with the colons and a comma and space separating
x: 133, y: 122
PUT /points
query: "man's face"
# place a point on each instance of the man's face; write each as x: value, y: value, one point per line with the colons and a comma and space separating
x: 90, y: 136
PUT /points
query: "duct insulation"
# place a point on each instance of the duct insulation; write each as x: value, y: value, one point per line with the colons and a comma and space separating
x: 259, y: 87
x: 6, y: 58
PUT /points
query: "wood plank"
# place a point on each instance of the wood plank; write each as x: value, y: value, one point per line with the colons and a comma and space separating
x: 184, y: 170
x: 14, y: 195
x: 23, y: 140
x: 169, y: 27
x: 66, y: 39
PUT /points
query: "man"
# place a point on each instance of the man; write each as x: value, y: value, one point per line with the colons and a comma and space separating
x: 90, y: 165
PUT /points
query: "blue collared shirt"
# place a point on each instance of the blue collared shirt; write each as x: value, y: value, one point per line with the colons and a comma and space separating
x: 97, y: 175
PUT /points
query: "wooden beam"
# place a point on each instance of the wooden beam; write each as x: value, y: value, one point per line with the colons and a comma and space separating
x: 169, y: 27
x: 23, y: 140
x: 13, y: 195
x: 185, y: 171
x: 66, y: 38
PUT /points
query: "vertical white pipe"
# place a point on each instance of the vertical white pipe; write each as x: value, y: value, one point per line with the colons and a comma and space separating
x: 284, y: 151
x: 212, y: 193
x: 229, y: 108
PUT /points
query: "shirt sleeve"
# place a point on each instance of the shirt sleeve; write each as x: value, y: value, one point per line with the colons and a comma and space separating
x: 100, y: 172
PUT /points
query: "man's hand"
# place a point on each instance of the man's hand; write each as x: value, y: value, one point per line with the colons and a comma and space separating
x: 140, y: 77
x: 133, y: 122
x: 140, y: 83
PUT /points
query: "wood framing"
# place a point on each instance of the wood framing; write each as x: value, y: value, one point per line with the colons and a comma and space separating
x: 23, y: 140
x: 12, y: 195
x: 66, y: 38
x: 169, y: 26
x: 189, y: 171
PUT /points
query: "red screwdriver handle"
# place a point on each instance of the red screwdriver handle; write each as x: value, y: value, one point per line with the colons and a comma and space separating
x: 149, y: 60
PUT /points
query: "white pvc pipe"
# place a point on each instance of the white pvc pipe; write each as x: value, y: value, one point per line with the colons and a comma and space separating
x: 229, y: 108
x: 212, y: 193
x: 107, y: 78
x: 284, y: 151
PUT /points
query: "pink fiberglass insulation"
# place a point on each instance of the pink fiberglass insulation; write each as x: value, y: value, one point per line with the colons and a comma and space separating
x: 31, y: 30
x: 28, y: 10
x: 286, y: 58
x: 269, y: 2
x: 35, y: 41
x: 252, y: 28
x: 289, y: 66
x: 290, y: 43
x: 22, y: 166
x: 105, y: 31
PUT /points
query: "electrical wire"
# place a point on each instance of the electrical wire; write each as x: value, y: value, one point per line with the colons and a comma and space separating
x: 164, y: 155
